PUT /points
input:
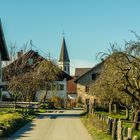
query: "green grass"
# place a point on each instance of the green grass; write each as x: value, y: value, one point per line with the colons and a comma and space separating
x: 136, y: 133
x: 121, y: 115
x: 95, y: 127
x: 11, y: 120
x: 41, y: 110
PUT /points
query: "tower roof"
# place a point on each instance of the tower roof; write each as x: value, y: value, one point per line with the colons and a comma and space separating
x: 64, y: 53
x: 3, y: 47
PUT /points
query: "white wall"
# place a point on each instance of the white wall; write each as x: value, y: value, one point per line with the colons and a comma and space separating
x: 52, y: 93
x: 62, y: 66
x: 40, y: 95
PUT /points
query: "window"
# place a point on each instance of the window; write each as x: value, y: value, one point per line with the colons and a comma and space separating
x: 86, y: 88
x: 65, y: 68
x: 60, y: 87
x: 93, y: 76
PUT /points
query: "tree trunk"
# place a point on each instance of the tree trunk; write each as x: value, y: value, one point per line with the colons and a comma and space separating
x: 45, y: 96
x: 127, y: 113
x: 133, y: 116
x: 110, y: 107
x: 136, y: 119
x: 115, y: 108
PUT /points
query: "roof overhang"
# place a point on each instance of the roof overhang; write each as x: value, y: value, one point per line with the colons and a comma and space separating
x: 3, y: 47
x: 63, y: 75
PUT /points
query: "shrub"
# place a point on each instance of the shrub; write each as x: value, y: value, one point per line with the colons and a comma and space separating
x: 44, y: 106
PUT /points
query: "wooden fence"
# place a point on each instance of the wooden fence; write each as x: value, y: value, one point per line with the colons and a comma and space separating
x: 115, y: 129
x: 32, y: 105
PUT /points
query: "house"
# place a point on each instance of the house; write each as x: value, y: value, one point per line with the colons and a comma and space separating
x: 80, y: 71
x: 28, y: 62
x: 72, y: 88
x: 85, y: 80
x: 4, y: 56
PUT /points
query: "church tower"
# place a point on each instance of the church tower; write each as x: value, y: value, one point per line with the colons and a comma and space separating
x: 64, y: 61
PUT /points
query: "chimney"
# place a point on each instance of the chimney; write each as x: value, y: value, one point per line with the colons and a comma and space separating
x: 19, y: 54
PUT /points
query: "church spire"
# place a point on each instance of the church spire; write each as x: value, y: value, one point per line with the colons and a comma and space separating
x: 64, y: 52
x: 64, y: 61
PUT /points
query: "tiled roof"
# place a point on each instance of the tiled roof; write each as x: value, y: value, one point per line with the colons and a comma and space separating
x: 81, y: 71
x: 21, y: 65
x: 71, y: 86
x: 98, y: 68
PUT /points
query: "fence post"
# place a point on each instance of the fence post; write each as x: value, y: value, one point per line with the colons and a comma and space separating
x: 110, y: 122
x: 114, y: 129
x: 107, y: 120
x: 129, y: 135
x: 119, y: 130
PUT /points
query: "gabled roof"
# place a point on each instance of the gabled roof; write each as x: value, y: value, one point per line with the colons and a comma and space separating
x: 64, y: 53
x: 81, y: 71
x: 3, y: 47
x: 98, y: 68
x: 23, y: 63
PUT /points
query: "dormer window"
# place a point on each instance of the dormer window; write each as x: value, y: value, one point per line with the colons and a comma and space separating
x: 30, y: 61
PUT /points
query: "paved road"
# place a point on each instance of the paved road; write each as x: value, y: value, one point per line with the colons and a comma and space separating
x: 54, y: 125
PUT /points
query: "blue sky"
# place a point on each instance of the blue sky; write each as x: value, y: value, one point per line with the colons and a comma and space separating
x: 89, y: 25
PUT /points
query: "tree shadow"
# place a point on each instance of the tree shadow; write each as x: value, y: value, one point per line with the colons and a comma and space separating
x: 22, y: 131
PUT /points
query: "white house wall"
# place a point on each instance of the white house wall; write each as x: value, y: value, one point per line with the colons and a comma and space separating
x: 53, y: 93
x: 40, y: 95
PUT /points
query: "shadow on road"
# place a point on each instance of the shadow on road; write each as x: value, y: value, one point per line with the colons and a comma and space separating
x: 52, y: 114
x: 29, y: 127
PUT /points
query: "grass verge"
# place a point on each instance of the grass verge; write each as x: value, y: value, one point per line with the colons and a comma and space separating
x: 121, y: 115
x: 10, y: 121
x: 95, y: 127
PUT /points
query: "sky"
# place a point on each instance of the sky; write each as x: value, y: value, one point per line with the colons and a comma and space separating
x: 89, y: 26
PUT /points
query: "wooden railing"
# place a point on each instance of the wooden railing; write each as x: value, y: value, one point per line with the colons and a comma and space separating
x: 33, y: 105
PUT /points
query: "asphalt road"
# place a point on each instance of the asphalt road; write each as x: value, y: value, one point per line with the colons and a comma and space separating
x: 54, y: 125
